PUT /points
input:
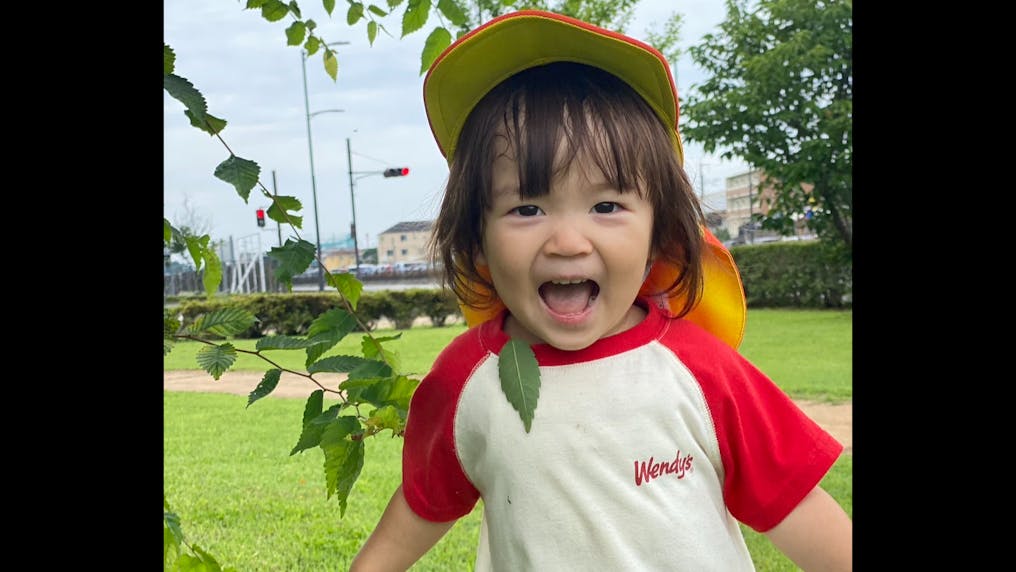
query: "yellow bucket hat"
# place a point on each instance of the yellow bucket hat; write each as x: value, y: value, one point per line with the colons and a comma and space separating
x: 480, y: 60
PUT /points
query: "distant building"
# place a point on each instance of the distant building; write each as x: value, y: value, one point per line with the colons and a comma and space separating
x: 749, y: 195
x: 404, y: 242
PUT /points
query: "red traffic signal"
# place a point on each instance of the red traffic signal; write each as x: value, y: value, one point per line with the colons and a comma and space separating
x: 397, y: 172
x: 261, y: 217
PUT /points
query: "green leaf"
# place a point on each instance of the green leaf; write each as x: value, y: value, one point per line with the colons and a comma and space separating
x: 172, y: 522
x: 372, y: 348
x: 241, y: 173
x: 415, y: 16
x: 327, y: 330
x: 167, y: 230
x: 207, y: 560
x: 355, y: 13
x: 393, y: 3
x: 293, y: 257
x: 295, y: 33
x: 216, y: 359
x: 452, y: 11
x: 329, y: 6
x: 196, y: 247
x: 520, y: 379
x: 381, y: 391
x: 370, y: 368
x: 281, y: 343
x: 168, y: 59
x: 348, y: 286
x: 224, y: 322
x: 338, y: 364
x: 371, y: 32
x: 377, y: 10
x: 295, y: 8
x: 211, y: 125
x: 437, y: 41
x: 311, y: 24
x: 213, y: 271
x: 267, y: 385
x: 254, y: 4
x: 310, y: 435
x: 387, y: 417
x: 331, y: 64
x: 311, y: 45
x: 343, y: 462
x: 273, y: 10
x: 184, y: 92
x: 280, y: 209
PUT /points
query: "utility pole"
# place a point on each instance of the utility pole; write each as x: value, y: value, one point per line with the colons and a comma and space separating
x: 275, y: 192
x: 352, y: 201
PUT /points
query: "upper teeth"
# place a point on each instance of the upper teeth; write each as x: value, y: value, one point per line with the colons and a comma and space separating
x: 567, y: 281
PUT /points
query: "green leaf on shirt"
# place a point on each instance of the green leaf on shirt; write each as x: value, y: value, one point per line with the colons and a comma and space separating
x: 520, y: 379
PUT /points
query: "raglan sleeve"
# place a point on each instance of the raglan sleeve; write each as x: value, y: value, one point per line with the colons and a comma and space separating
x: 433, y: 481
x: 773, y: 454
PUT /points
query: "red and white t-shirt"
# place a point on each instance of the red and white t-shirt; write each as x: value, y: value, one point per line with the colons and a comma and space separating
x: 645, y: 448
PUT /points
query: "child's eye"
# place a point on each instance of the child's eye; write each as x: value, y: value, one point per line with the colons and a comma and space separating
x: 606, y: 207
x: 526, y: 210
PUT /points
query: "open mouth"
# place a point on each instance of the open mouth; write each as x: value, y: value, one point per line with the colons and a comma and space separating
x: 569, y: 296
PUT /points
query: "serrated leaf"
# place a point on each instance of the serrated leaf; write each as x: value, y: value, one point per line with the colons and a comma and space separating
x: 295, y: 8
x: 381, y: 391
x: 273, y: 10
x: 311, y: 24
x: 313, y: 429
x: 209, y: 562
x: 329, y: 6
x: 167, y: 230
x: 372, y: 348
x: 211, y: 125
x: 371, y: 32
x: 415, y: 16
x: 213, y: 271
x: 224, y: 322
x: 184, y: 92
x: 520, y: 379
x: 168, y: 59
x: 370, y: 368
x: 295, y: 33
x: 327, y: 416
x: 311, y: 45
x: 172, y: 522
x: 327, y: 330
x: 348, y: 286
x: 241, y: 173
x: 355, y: 13
x: 254, y: 4
x: 343, y: 462
x: 281, y: 343
x: 196, y: 247
x: 280, y: 209
x: 310, y: 436
x: 437, y: 41
x: 331, y: 64
x: 452, y: 11
x: 294, y: 257
x: 377, y: 10
x: 337, y: 364
x: 267, y: 385
x: 216, y: 359
x: 387, y: 417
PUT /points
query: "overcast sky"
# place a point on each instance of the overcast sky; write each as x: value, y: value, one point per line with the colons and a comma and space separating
x: 252, y: 79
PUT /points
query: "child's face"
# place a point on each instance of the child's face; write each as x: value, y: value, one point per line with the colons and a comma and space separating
x: 567, y: 265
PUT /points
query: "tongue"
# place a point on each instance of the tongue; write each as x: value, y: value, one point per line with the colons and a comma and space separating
x: 567, y: 298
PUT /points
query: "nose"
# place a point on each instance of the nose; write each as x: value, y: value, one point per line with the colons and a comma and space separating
x: 567, y: 238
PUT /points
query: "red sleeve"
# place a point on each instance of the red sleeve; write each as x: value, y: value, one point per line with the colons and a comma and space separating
x: 433, y: 481
x: 773, y: 454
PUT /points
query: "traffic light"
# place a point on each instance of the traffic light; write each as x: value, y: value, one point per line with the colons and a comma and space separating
x: 261, y: 217
x: 397, y: 172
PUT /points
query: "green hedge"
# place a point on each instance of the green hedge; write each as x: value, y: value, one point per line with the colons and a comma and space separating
x: 292, y: 313
x: 803, y: 274
x: 795, y: 274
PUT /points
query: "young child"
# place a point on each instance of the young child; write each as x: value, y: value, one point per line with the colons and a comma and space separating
x: 569, y: 223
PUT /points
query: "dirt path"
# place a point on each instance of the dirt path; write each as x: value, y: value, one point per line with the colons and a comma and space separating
x: 836, y: 419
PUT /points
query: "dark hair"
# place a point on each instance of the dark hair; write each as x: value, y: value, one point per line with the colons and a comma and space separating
x: 626, y: 140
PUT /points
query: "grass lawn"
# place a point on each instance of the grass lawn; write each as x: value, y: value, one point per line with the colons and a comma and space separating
x: 228, y: 474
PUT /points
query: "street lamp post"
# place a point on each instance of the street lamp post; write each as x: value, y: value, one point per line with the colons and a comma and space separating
x: 399, y: 172
x: 310, y: 153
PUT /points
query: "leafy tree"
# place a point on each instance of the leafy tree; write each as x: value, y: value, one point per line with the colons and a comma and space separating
x: 779, y: 95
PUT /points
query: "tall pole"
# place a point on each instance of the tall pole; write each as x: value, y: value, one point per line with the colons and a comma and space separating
x: 313, y: 186
x: 352, y: 201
